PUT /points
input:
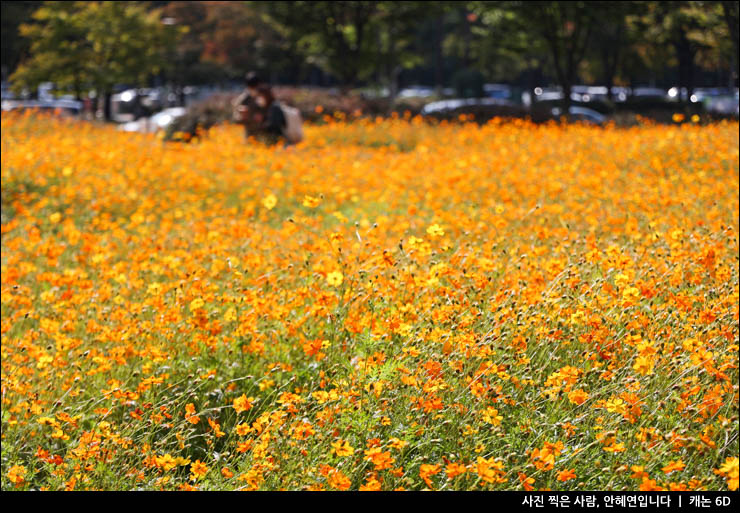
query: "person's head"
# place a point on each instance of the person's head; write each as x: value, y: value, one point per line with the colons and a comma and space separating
x: 263, y: 96
x: 253, y: 81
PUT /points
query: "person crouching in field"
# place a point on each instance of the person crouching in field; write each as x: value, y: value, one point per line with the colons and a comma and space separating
x: 264, y: 117
x: 244, y: 107
x: 258, y: 111
x: 270, y: 116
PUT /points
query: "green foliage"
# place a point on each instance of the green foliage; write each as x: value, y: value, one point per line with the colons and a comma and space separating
x: 682, y: 34
x: 333, y: 35
x: 14, y: 47
x: 81, y: 45
x: 96, y: 45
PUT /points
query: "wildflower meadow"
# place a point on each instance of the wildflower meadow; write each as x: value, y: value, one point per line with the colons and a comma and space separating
x: 391, y: 304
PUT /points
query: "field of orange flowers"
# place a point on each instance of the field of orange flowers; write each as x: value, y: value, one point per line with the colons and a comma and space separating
x: 389, y: 305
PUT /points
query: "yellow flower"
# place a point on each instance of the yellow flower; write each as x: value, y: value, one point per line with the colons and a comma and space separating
x: 154, y: 288
x: 196, y: 304
x: 491, y: 416
x: 630, y: 296
x: 55, y: 217
x: 342, y: 448
x: 435, y: 230
x: 230, y: 314
x: 310, y: 201
x: 166, y: 462
x: 269, y: 201
x: 644, y: 365
x: 397, y: 444
x: 620, y: 280
x: 335, y: 278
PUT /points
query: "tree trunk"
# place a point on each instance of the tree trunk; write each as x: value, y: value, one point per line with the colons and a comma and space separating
x: 438, y: 72
x: 685, y: 55
x: 467, y: 38
x: 393, y: 70
x: 78, y: 88
x: 107, y: 106
x: 730, y: 10
x: 393, y: 89
x: 610, y: 70
x: 567, y: 88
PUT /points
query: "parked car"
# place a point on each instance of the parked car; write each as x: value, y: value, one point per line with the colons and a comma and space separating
x: 416, y: 92
x: 65, y: 106
x: 581, y: 114
x: 159, y: 121
x: 651, y: 92
x: 500, y: 91
x: 7, y: 94
x: 456, y: 103
x: 481, y: 109
x: 720, y: 101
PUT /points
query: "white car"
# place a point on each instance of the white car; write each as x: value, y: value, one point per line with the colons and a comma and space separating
x: 159, y: 121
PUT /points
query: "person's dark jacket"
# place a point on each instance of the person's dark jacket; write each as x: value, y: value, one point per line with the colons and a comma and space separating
x: 274, y: 120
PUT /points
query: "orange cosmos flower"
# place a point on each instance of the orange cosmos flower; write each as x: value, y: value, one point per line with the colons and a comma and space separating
x: 216, y: 427
x: 426, y: 471
x: 455, y: 469
x: 16, y: 475
x: 730, y: 470
x: 526, y: 481
x: 489, y: 470
x: 674, y: 466
x: 381, y: 459
x: 566, y: 475
x: 198, y: 470
x: 339, y: 481
x: 243, y: 403
x: 578, y: 396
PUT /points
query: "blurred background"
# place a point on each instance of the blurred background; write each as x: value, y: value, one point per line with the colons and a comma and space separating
x: 145, y: 65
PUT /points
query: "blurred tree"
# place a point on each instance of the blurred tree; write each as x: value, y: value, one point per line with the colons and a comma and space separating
x: 58, y: 49
x: 189, y: 67
x: 94, y: 44
x: 504, y: 48
x: 690, y: 29
x: 730, y: 12
x: 611, y: 41
x: 237, y: 37
x: 127, y: 43
x: 565, y: 28
x: 396, y: 25
x: 336, y: 36
x: 14, y: 48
